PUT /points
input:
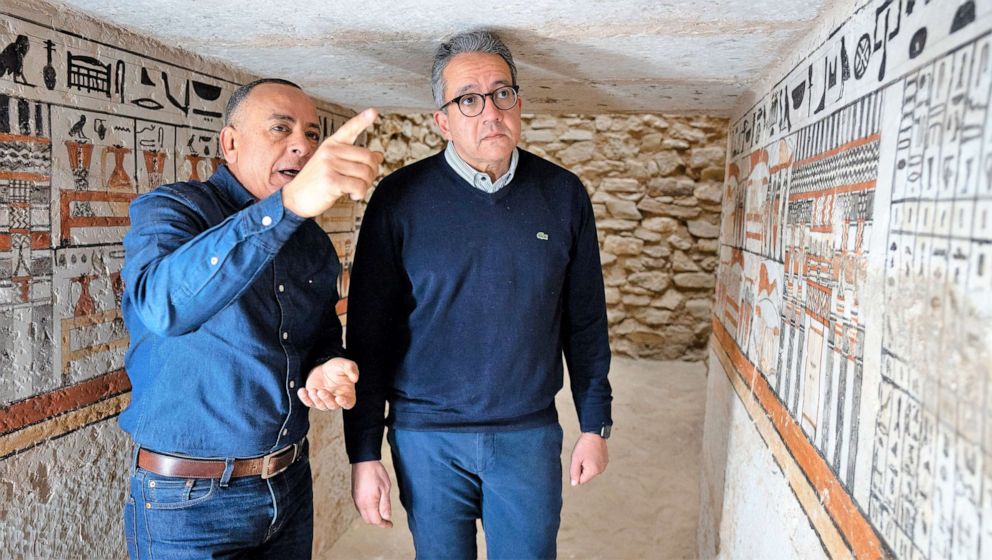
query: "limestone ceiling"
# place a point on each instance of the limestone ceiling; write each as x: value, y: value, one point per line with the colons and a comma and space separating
x: 572, y: 56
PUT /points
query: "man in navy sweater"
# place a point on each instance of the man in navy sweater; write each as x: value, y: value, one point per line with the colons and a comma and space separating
x: 476, y: 269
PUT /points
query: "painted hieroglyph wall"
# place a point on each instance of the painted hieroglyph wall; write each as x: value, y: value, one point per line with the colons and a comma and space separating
x: 90, y: 117
x: 854, y: 295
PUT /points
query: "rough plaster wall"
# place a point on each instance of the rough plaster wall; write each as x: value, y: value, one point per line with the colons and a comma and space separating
x: 333, y: 509
x: 854, y: 281
x: 88, y: 120
x: 655, y: 187
x: 720, y: 403
x: 63, y: 499
x: 747, y: 509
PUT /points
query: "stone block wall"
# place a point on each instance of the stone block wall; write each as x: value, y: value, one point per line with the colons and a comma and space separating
x: 655, y: 183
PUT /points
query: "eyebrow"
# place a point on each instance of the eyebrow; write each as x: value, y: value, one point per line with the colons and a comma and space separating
x: 465, y: 89
x: 281, y: 117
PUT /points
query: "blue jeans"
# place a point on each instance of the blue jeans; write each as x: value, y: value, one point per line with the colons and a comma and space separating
x: 511, y: 480
x: 167, y: 517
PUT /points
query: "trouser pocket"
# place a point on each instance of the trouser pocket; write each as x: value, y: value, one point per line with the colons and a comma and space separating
x: 175, y: 493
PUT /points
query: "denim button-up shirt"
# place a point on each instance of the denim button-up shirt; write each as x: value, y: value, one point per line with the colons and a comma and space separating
x: 230, y: 302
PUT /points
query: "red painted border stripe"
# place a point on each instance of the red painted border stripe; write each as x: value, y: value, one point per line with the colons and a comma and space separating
x: 24, y: 176
x: 23, y: 138
x: 858, y: 531
x: 47, y: 405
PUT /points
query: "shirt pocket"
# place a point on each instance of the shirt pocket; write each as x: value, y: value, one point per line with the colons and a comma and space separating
x: 314, y: 263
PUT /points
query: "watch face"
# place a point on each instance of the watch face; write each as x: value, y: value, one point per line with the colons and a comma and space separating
x: 604, y: 432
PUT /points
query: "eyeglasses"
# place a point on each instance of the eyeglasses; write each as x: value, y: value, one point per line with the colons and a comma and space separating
x: 472, y: 104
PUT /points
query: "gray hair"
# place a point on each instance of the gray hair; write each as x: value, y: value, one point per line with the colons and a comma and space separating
x: 240, y: 94
x: 482, y: 41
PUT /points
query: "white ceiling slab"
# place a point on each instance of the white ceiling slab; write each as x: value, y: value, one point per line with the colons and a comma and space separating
x: 572, y: 56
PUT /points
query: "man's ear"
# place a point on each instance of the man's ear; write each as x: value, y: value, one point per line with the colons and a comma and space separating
x: 441, y: 120
x: 228, y: 144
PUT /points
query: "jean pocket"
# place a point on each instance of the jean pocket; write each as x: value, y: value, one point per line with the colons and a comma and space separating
x: 176, y: 493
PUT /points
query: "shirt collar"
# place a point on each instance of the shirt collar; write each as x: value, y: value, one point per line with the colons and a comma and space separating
x: 477, y: 178
x: 227, y: 183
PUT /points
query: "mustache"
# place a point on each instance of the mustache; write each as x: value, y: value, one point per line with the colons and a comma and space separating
x: 297, y: 163
x: 496, y: 127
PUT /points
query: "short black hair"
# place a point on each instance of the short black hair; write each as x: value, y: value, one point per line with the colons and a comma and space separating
x: 240, y: 94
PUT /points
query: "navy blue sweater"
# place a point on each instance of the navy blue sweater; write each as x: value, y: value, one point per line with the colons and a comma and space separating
x: 463, y: 302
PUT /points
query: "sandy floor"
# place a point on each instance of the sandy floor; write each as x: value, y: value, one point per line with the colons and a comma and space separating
x: 644, y: 506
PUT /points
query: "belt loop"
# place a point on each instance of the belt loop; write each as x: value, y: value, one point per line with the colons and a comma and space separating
x: 228, y: 469
x: 134, y: 458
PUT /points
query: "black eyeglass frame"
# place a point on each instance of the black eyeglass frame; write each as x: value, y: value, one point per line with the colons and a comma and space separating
x: 457, y: 100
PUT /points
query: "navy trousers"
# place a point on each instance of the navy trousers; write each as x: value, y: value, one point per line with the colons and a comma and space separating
x: 511, y: 480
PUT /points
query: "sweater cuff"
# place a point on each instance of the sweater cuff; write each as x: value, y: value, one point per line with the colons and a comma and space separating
x: 594, y: 419
x: 366, y: 446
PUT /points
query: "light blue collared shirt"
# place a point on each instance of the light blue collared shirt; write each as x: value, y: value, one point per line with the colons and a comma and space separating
x: 476, y: 178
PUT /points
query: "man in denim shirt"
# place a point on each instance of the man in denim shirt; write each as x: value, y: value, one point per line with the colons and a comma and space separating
x: 230, y: 294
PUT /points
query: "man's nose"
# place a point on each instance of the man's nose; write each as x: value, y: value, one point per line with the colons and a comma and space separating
x: 300, y: 145
x: 490, y: 112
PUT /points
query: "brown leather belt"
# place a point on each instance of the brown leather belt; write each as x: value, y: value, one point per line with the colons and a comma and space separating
x: 182, y: 467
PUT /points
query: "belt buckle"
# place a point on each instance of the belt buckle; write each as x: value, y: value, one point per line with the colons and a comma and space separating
x: 265, y: 461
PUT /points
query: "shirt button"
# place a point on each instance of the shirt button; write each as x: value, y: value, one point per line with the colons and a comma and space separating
x: 285, y: 432
x: 282, y: 288
x: 292, y: 384
x: 266, y: 221
x: 213, y: 260
x: 285, y: 335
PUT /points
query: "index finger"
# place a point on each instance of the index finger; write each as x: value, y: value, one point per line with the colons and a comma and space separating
x: 350, y: 130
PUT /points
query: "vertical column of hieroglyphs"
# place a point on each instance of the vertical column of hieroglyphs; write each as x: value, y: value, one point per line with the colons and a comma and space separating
x: 25, y: 243
x: 933, y: 436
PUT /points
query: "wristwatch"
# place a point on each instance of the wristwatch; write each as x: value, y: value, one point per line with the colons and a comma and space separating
x: 604, y: 431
